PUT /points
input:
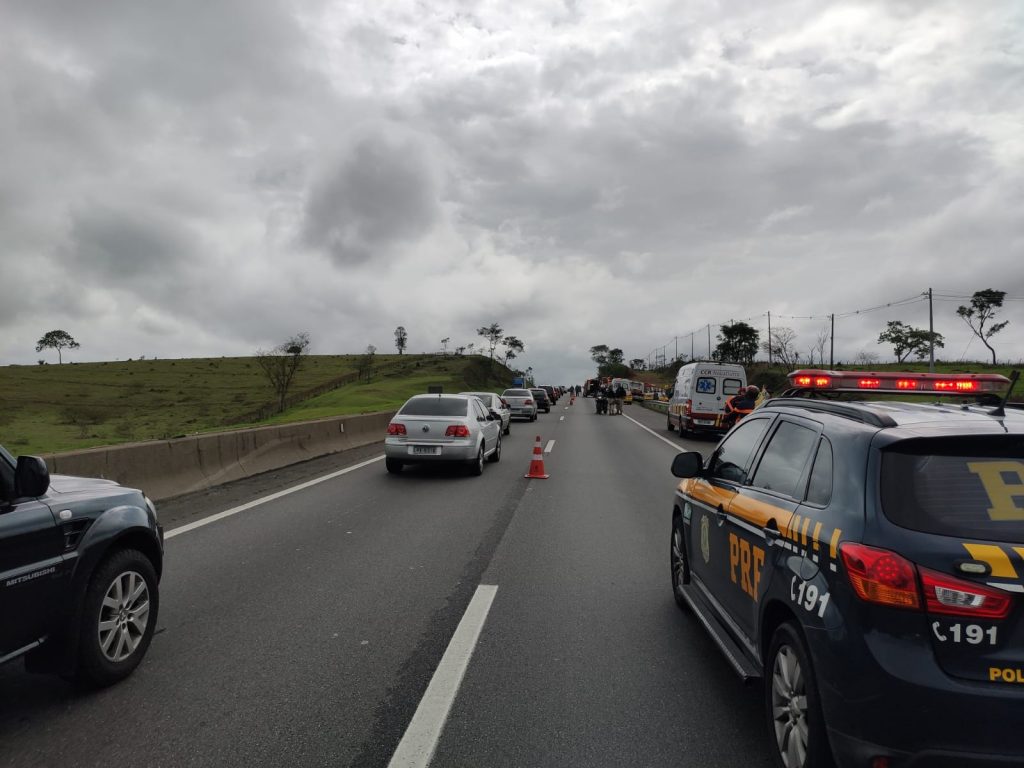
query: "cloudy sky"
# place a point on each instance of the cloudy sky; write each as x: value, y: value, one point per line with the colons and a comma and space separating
x: 207, y: 177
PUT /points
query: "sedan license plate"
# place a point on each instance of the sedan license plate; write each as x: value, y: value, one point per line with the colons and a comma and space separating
x: 705, y: 422
x: 426, y: 450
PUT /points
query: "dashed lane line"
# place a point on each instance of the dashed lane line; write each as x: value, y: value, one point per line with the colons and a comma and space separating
x: 676, y: 446
x: 264, y: 499
x: 417, y: 746
x: 549, y: 447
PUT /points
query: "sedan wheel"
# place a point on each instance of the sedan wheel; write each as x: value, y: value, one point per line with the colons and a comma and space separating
x: 508, y: 427
x: 477, y: 467
x: 495, y: 457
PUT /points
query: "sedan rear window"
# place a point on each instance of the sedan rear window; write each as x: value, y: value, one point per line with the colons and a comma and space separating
x: 971, y: 487
x: 435, y: 406
x: 516, y: 393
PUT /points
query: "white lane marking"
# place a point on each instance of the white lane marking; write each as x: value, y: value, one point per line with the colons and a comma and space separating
x: 678, y: 447
x: 417, y: 746
x: 263, y: 500
x: 561, y: 418
x: 549, y: 446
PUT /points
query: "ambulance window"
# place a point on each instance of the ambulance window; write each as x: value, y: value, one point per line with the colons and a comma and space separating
x: 819, y: 490
x: 706, y: 385
x: 785, y: 458
x: 732, y: 458
x: 731, y: 386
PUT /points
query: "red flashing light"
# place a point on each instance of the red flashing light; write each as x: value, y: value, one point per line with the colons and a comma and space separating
x: 802, y: 381
x: 457, y: 430
x: 822, y: 381
x: 956, y: 385
x: 396, y: 429
x: 906, y: 384
x: 869, y: 383
x: 880, y: 576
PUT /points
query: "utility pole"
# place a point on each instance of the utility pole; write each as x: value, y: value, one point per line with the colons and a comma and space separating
x: 769, y: 338
x: 931, y: 336
x: 691, y: 346
x: 832, y: 344
x: 677, y: 350
x: 709, y: 341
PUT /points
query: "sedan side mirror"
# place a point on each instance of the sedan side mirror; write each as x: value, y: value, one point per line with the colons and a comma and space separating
x: 494, y: 416
x: 31, y: 477
x: 688, y: 464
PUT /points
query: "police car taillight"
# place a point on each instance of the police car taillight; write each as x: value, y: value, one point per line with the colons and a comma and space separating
x: 880, y: 576
x: 948, y: 595
x: 884, y: 381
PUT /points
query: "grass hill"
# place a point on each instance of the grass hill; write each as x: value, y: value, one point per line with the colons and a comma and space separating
x: 48, y: 408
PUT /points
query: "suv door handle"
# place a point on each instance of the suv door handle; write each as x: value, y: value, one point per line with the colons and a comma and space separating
x: 771, y: 535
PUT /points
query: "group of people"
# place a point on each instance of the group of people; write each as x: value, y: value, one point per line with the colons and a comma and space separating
x: 612, y: 397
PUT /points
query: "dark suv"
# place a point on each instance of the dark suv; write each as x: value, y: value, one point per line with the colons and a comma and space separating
x: 867, y: 560
x: 80, y: 564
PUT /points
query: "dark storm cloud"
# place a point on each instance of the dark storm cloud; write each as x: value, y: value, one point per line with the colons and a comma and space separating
x: 384, y: 192
x: 129, y: 244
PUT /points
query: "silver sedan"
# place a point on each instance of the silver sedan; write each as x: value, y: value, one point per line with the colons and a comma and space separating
x: 442, y: 428
x: 495, y: 404
x: 522, y: 403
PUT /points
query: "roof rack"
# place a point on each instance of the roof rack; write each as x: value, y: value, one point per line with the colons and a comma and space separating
x: 861, y: 414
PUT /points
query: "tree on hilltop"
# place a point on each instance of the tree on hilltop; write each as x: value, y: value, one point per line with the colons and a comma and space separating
x: 57, y: 340
x: 493, y: 333
x: 281, y: 363
x: 907, y: 340
x: 982, y: 309
x: 401, y: 339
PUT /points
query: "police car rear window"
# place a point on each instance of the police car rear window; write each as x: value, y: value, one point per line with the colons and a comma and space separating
x: 435, y: 406
x: 971, y: 487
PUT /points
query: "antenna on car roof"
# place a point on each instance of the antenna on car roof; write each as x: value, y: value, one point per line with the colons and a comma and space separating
x: 1000, y: 410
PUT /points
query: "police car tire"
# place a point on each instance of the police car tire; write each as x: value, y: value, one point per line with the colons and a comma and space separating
x: 818, y: 755
x: 677, y: 527
x: 95, y: 670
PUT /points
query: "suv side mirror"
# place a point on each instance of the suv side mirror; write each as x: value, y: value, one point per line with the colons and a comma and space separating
x: 688, y: 464
x: 31, y: 477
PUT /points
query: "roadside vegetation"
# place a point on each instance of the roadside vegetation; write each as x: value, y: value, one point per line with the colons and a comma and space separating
x: 53, y: 408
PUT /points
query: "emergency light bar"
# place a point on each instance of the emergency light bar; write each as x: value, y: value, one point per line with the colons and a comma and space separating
x: 886, y: 381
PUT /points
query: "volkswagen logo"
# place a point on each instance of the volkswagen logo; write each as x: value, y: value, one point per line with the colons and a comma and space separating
x: 426, y: 427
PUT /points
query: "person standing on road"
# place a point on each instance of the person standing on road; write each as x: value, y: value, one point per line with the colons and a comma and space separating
x: 620, y: 398
x: 740, y: 404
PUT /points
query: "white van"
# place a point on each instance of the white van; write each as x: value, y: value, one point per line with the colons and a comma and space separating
x: 698, y: 398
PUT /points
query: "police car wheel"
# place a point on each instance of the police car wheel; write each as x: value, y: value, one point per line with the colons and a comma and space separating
x: 792, y: 704
x: 118, y: 618
x: 680, y: 567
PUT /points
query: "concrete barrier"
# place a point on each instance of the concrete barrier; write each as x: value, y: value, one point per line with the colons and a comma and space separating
x: 166, y: 468
x: 656, y: 405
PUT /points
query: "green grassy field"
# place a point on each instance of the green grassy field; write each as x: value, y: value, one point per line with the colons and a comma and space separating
x: 50, y: 408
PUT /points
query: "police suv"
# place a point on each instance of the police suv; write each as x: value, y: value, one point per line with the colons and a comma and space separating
x: 80, y: 564
x: 867, y: 560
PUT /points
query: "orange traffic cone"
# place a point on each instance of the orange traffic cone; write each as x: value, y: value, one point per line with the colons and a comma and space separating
x: 537, y: 463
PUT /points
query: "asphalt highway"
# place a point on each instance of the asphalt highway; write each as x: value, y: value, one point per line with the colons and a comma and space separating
x: 306, y: 630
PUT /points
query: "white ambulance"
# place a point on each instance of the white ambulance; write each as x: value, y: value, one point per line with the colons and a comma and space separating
x: 698, y: 398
